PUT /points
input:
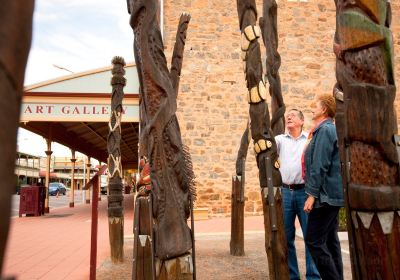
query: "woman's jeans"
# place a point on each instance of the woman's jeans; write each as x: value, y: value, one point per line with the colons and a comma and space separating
x: 323, y: 242
x: 293, y: 205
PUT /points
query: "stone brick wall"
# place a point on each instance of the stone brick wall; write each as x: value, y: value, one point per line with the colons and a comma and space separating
x: 212, y: 107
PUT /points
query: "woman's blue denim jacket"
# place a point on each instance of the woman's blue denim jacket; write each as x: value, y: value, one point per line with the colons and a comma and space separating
x: 323, y: 179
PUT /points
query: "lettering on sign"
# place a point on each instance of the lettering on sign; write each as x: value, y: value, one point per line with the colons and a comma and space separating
x: 96, y: 112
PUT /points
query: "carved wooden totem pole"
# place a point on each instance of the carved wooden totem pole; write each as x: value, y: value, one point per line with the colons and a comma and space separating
x: 260, y: 128
x: 15, y: 42
x: 171, y: 174
x: 269, y: 28
x: 367, y: 130
x: 268, y: 25
x: 115, y: 196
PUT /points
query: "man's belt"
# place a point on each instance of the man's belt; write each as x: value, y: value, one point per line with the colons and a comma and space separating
x: 294, y: 187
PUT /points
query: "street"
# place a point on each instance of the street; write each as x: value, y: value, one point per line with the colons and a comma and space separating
x: 54, y: 201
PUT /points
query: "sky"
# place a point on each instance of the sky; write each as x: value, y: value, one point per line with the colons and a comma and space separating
x: 77, y: 35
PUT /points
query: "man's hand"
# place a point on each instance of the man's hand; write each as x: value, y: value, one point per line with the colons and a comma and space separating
x: 308, y: 205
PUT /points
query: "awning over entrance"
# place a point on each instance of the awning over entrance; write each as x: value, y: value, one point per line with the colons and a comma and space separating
x: 75, y: 110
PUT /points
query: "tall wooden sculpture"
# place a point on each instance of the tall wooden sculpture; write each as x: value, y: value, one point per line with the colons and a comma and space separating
x: 262, y: 135
x: 15, y: 42
x: 115, y: 197
x: 367, y: 131
x: 269, y: 28
x: 171, y: 174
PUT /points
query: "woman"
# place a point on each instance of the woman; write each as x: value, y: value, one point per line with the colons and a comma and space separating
x: 323, y: 184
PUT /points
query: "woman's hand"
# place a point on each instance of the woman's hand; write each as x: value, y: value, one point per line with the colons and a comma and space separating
x: 308, y: 205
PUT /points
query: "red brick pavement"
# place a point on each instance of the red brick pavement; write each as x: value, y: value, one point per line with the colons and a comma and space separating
x: 57, y: 245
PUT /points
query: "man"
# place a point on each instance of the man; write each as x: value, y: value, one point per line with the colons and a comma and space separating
x: 290, y: 148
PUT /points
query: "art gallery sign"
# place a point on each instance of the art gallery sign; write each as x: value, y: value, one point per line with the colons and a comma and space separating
x: 85, y: 112
x: 80, y: 97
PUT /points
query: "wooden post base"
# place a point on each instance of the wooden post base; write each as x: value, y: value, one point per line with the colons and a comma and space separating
x: 116, y: 236
x: 275, y: 241
x: 180, y: 268
x: 71, y: 205
x: 237, y: 218
x: 142, y: 247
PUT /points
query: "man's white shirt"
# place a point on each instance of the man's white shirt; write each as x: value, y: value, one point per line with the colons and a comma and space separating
x: 290, y: 151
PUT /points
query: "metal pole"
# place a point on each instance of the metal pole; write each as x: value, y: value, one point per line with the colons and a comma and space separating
x: 72, y: 192
x: 84, y: 181
x: 48, y: 160
x: 93, y: 239
x: 99, y: 182
x: 88, y: 179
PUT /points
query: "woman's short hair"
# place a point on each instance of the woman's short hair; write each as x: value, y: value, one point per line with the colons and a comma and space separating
x: 328, y: 102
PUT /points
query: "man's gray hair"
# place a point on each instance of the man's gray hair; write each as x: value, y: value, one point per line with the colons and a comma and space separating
x: 299, y: 113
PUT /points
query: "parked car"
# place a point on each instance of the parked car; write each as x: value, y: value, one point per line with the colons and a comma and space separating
x: 59, y: 188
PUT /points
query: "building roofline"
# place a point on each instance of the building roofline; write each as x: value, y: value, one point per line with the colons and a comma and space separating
x: 30, y: 155
x: 73, y: 76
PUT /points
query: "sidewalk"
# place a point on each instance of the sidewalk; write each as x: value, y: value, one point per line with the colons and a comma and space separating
x: 57, y: 245
x: 213, y: 259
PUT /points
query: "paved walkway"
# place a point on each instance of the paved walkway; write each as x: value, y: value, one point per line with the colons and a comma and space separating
x: 57, y: 246
x: 213, y: 260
